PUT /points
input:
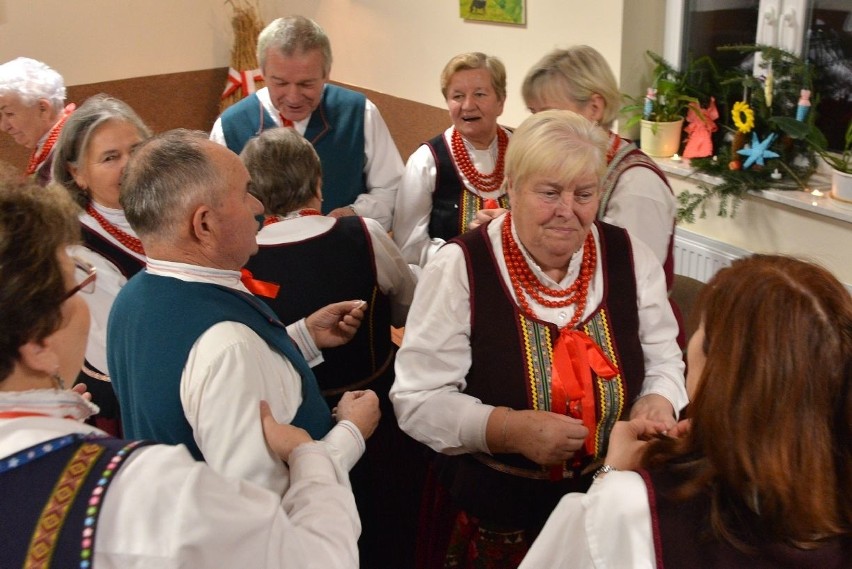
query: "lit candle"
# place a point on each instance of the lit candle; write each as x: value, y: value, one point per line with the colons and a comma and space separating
x: 775, y: 175
x: 817, y: 194
x: 676, y: 158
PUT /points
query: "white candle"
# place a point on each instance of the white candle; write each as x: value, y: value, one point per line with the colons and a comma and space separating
x: 676, y: 158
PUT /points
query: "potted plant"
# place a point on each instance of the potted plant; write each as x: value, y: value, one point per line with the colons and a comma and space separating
x: 840, y: 164
x: 662, y: 110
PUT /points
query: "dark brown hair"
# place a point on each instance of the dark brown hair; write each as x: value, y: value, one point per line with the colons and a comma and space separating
x: 772, y: 412
x: 34, y: 223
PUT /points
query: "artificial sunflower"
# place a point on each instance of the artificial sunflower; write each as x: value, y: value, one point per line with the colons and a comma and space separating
x: 743, y: 117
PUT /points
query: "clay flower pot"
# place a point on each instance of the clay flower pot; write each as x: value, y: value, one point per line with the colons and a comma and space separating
x: 660, y: 139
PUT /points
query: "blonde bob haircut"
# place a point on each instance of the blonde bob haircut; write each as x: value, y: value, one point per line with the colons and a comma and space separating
x: 476, y: 60
x: 559, y: 143
x: 573, y: 75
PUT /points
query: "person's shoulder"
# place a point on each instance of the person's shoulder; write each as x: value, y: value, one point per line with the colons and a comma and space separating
x: 341, y: 94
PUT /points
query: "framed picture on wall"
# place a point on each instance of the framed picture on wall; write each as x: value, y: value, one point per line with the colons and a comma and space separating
x: 500, y: 11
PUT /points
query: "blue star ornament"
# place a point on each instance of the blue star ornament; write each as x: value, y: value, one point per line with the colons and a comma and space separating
x: 759, y: 150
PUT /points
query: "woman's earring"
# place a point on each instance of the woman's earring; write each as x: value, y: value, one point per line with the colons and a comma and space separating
x: 60, y: 383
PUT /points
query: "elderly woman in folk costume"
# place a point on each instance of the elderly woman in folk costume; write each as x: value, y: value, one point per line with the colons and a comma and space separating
x: 90, y: 157
x: 33, y: 110
x: 119, y: 497
x: 528, y: 338
x: 449, y: 178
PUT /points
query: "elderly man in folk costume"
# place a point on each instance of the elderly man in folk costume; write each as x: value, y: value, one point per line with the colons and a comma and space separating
x: 360, y: 162
x: 191, y: 366
x: 33, y: 110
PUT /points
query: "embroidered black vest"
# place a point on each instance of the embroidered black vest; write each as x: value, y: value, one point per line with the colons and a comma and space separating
x: 453, y: 205
x: 511, y: 361
x: 682, y: 536
x: 51, y: 496
x: 334, y: 266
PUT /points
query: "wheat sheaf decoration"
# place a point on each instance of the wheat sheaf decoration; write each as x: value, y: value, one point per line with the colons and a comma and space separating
x: 244, y: 77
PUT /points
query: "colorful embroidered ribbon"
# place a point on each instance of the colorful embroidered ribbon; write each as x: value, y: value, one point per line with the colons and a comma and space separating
x: 575, y: 356
x: 244, y: 80
x: 259, y: 287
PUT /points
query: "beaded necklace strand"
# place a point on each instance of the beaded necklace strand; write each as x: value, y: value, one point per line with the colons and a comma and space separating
x: 482, y: 182
x: 123, y: 237
x: 525, y: 282
x: 37, y: 156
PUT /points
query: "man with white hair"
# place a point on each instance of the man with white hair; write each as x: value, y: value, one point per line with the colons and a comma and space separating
x: 33, y: 110
x: 361, y: 165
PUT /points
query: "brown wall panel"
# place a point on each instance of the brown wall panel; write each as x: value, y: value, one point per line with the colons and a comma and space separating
x: 191, y: 100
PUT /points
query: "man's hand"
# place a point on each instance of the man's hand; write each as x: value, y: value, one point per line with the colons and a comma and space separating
x: 281, y: 437
x: 654, y: 407
x: 360, y: 407
x: 335, y: 324
x: 345, y: 211
x: 485, y: 215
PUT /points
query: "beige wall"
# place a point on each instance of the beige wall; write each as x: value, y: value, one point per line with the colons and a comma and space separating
x: 393, y: 46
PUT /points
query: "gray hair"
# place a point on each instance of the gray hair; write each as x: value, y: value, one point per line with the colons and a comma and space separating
x: 32, y: 80
x: 556, y: 142
x: 74, y: 141
x: 284, y: 169
x: 168, y: 175
x: 476, y: 60
x: 574, y: 74
x: 291, y: 35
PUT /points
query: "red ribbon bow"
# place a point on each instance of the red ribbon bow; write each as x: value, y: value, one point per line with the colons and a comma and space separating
x: 243, y: 80
x: 575, y: 356
x: 257, y: 286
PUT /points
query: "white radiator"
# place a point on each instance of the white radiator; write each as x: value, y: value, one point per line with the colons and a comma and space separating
x: 700, y: 257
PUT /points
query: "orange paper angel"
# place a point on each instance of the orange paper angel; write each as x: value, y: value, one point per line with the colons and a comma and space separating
x: 700, y: 126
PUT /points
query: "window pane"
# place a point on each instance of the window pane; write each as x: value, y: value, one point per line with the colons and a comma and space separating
x: 829, y: 45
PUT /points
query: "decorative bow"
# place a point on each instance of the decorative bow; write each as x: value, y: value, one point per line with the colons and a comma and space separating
x: 242, y: 80
x: 575, y: 356
x: 257, y: 286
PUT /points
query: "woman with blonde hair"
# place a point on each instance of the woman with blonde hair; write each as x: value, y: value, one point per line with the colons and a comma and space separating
x: 460, y: 171
x: 761, y: 475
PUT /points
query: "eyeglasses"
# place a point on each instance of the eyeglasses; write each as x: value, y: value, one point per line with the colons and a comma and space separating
x: 85, y: 276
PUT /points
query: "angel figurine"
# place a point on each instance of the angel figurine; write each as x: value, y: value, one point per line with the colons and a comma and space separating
x: 701, y: 123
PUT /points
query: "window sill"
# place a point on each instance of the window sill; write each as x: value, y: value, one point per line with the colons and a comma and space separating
x: 818, y: 201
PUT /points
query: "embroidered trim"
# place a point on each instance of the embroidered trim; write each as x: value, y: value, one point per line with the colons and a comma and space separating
x: 56, y: 509
x: 91, y: 521
x: 538, y: 349
x: 610, y: 404
x: 30, y: 454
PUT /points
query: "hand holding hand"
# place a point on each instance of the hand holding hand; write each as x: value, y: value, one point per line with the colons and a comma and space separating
x: 543, y: 437
x: 281, y: 437
x: 654, y: 407
x: 360, y: 407
x: 335, y: 324
x: 627, y: 442
x: 485, y: 215
x: 344, y: 211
